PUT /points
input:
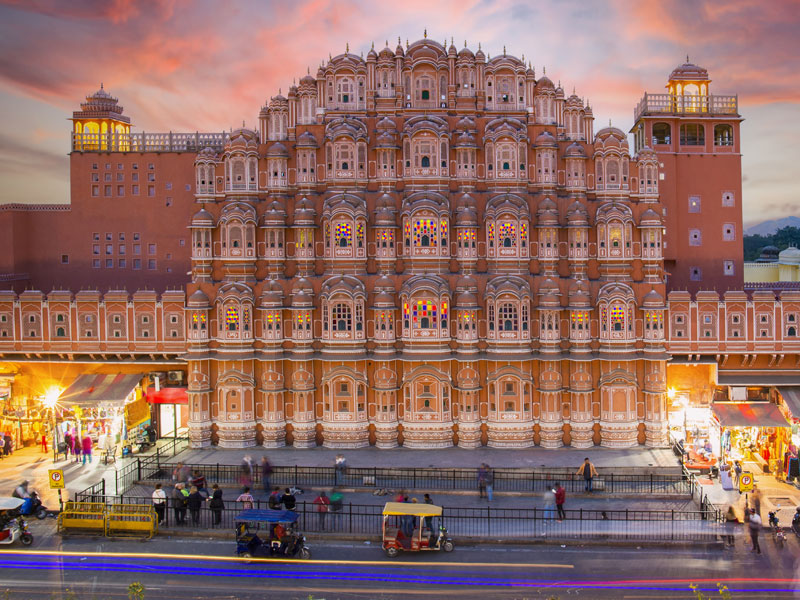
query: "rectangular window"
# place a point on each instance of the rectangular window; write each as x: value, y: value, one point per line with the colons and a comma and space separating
x: 694, y: 204
x: 119, y: 166
x: 151, y: 264
x: 109, y: 249
x: 95, y: 248
x: 695, y: 274
x: 109, y: 263
x: 108, y: 165
x: 135, y: 166
x: 109, y: 236
x: 136, y: 237
x: 727, y: 267
x: 121, y: 236
x: 695, y: 237
x: 151, y: 249
x: 135, y: 190
x: 151, y: 166
x: 96, y: 237
x: 693, y: 134
x: 65, y: 259
x: 134, y: 177
x: 151, y: 190
x: 95, y: 177
x: 120, y: 190
x: 120, y: 176
x: 107, y: 177
x: 121, y: 263
x: 728, y: 232
x: 169, y: 185
x: 95, y: 190
x: 151, y: 177
x: 96, y: 263
x: 137, y: 263
x: 137, y: 248
x: 121, y: 249
x: 728, y: 199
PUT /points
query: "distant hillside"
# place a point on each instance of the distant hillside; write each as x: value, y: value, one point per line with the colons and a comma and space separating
x: 770, y: 227
x: 781, y: 239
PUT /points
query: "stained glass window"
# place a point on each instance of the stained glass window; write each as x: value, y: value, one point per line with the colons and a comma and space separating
x: 246, y: 319
x: 425, y: 232
x: 424, y: 314
x: 360, y: 234
x: 507, y: 235
x: 232, y: 318
x: 523, y: 234
x: 491, y: 235
x: 344, y: 235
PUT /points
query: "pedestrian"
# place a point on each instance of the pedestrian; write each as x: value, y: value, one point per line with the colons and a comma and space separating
x: 160, y: 502
x: 67, y: 444
x: 489, y: 482
x: 407, y: 523
x: 8, y: 445
x: 274, y: 501
x: 482, y: 481
x: 549, y: 504
x: 194, y: 502
x: 86, y: 448
x: 76, y: 448
x: 323, y: 503
x: 180, y: 474
x: 336, y: 507
x: 44, y: 442
x: 340, y: 468
x: 426, y: 498
x: 561, y: 496
x: 731, y: 525
x: 589, y: 472
x: 179, y: 503
x: 401, y: 496
x: 246, y: 476
x: 755, y: 498
x: 198, y: 480
x: 266, y: 473
x: 246, y: 498
x: 288, y: 500
x: 737, y: 473
x: 755, y: 526
x: 216, y: 504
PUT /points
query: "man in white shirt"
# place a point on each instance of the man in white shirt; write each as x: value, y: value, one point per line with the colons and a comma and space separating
x: 160, y: 502
x: 755, y: 527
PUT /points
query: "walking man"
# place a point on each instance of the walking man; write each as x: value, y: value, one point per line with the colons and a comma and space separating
x: 737, y: 473
x: 180, y: 497
x: 160, y: 502
x: 216, y: 504
x: 561, y: 496
x: 323, y: 502
x: 489, y: 482
x: 482, y: 480
x: 755, y: 526
x: 266, y: 472
x: 340, y: 466
x: 589, y: 472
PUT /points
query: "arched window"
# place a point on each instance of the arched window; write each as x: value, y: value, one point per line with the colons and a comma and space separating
x: 232, y: 318
x: 426, y: 161
x: 791, y: 332
x: 61, y: 333
x: 723, y: 135
x: 662, y: 133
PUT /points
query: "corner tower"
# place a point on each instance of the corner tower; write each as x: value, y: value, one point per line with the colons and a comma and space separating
x: 696, y: 138
x: 99, y: 124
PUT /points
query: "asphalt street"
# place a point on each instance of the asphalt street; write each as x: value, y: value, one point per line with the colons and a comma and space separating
x: 99, y: 569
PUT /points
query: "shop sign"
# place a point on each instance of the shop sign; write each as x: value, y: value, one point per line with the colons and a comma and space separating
x: 56, y: 477
x: 746, y: 482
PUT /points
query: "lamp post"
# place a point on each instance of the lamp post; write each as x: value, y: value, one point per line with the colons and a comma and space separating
x: 50, y: 400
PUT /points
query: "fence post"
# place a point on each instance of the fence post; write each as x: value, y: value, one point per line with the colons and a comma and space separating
x: 139, y: 468
x: 651, y: 483
x: 612, y: 483
x: 351, y: 517
x: 488, y: 519
x: 217, y: 477
x: 158, y: 460
x: 414, y: 486
x: 104, y: 486
x: 454, y: 479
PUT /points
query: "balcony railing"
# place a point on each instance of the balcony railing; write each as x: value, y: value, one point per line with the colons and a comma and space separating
x: 147, y: 142
x: 673, y: 104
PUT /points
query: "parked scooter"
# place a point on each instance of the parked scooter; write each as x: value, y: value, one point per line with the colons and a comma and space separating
x: 777, y: 532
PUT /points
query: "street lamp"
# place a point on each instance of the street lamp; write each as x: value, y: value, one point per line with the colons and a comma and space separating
x: 50, y: 400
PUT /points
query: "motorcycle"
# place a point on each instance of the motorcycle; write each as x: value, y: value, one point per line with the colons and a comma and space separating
x: 13, y: 526
x: 777, y: 532
x: 33, y: 506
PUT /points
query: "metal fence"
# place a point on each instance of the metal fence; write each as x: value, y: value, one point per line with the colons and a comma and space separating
x: 148, y: 466
x: 505, y: 480
x: 477, y: 523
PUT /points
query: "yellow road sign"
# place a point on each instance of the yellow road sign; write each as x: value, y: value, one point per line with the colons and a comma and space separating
x: 56, y: 477
x: 746, y: 482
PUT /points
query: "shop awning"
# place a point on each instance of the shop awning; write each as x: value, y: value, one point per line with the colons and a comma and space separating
x: 749, y: 414
x: 773, y: 378
x: 791, y: 397
x: 167, y: 395
x: 91, y: 389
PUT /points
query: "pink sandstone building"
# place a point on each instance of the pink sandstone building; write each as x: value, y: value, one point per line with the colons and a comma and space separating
x: 425, y: 247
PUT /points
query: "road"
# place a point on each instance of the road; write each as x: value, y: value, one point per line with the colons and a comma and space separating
x: 183, y: 568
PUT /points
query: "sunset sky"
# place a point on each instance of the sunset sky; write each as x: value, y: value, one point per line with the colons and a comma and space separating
x: 182, y: 65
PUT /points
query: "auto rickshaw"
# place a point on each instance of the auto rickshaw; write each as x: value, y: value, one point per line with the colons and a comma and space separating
x: 278, y: 535
x: 413, y: 528
x: 12, y: 525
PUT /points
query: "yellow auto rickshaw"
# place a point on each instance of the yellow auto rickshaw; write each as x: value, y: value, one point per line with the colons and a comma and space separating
x: 413, y: 528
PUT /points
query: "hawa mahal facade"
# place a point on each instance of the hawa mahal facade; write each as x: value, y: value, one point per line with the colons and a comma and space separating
x: 425, y: 247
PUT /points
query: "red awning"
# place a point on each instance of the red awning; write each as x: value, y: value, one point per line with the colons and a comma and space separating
x: 167, y: 395
x: 92, y: 389
x: 749, y: 414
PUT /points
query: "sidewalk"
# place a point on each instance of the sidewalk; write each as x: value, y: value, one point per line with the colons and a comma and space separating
x: 640, y: 459
x: 774, y: 495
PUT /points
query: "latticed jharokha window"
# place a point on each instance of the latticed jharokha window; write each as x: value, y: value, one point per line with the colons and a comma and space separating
x: 342, y: 317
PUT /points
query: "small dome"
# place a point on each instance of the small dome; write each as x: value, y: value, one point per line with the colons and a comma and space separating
x: 278, y: 150
x: 608, y: 132
x: 547, y: 214
x: 579, y: 295
x: 272, y: 294
x: 650, y: 218
x: 198, y: 299
x: 790, y: 256
x: 372, y: 55
x: 306, y: 140
x: 689, y: 72
x: 203, y: 218
x: 575, y: 150
x: 577, y: 215
x: 308, y: 80
x: 467, y: 217
x: 466, y: 53
x: 545, y: 84
x: 653, y: 300
x: 399, y: 50
x: 304, y: 212
x: 275, y: 215
x: 207, y: 152
x: 574, y: 102
x: 545, y: 139
x: 549, y: 293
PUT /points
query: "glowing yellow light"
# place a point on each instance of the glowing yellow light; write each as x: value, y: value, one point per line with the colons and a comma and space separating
x: 51, y: 396
x: 671, y: 393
